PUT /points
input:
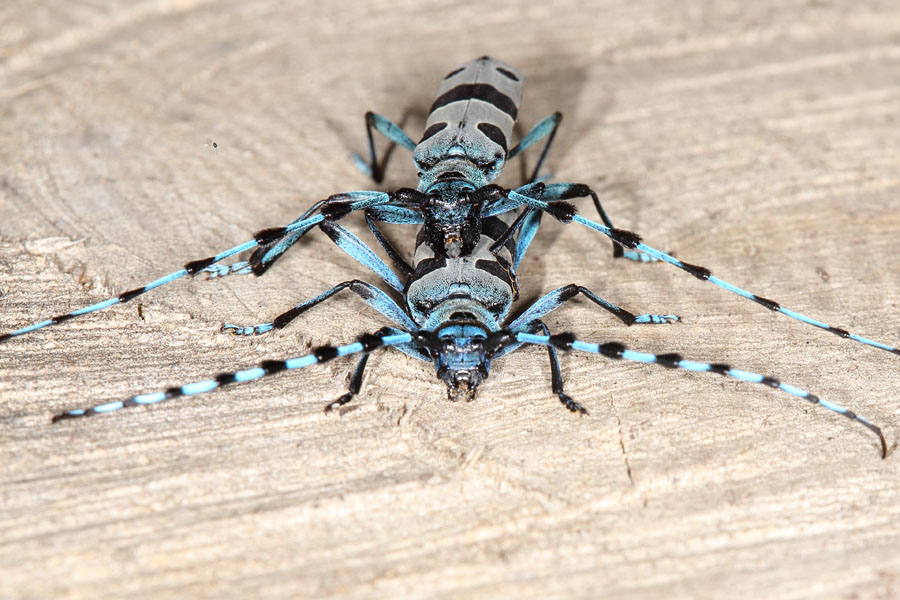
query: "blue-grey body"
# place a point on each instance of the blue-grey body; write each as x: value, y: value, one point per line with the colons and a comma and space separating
x: 470, y: 123
x: 473, y: 234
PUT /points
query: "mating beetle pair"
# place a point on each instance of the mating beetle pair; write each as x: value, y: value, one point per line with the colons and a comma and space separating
x: 472, y: 236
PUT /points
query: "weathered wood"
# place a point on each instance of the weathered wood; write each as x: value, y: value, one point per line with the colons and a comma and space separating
x: 758, y: 140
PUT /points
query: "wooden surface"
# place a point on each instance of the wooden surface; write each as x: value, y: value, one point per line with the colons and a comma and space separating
x: 757, y: 139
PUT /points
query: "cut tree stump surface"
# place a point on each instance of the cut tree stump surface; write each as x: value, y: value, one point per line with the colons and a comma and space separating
x: 761, y: 140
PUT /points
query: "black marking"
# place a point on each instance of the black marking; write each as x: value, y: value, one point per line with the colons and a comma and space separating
x: 629, y: 239
x: 434, y: 129
x: 62, y: 318
x: 561, y: 211
x: 477, y: 91
x: 370, y: 342
x: 720, y: 368
x: 427, y: 266
x: 669, y: 360
x: 196, y: 266
x: 575, y: 190
x: 506, y: 73
x: 408, y: 196
x: 332, y: 231
x: 838, y: 331
x: 612, y: 349
x: 427, y: 339
x: 325, y: 353
x: 126, y: 296
x: 569, y: 292
x: 174, y: 392
x: 336, y: 211
x: 704, y: 273
x: 5, y: 337
x: 256, y: 259
x: 282, y: 320
x: 454, y: 72
x: 463, y: 316
x: 273, y: 366
x: 266, y: 236
x: 494, y: 269
x: 225, y: 378
x: 495, y: 134
x: 499, y: 339
x: 563, y: 341
x: 770, y: 381
x: 362, y: 290
x: 770, y: 304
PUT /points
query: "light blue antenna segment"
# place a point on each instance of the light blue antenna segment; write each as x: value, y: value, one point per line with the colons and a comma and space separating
x: 617, y: 351
x: 199, y: 387
x: 456, y: 293
x: 30, y: 328
x: 350, y: 349
x: 584, y: 346
x: 689, y: 365
x: 868, y: 342
x: 803, y: 394
x: 207, y: 385
x: 641, y: 357
x: 149, y: 398
x: 111, y: 301
x: 249, y: 374
x: 745, y: 376
x: 358, y: 201
x: 712, y: 279
x: 303, y: 361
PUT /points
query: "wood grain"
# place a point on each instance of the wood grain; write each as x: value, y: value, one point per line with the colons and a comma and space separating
x: 758, y: 140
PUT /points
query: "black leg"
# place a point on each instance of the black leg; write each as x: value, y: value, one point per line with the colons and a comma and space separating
x: 401, y: 264
x: 556, y: 377
x: 391, y: 131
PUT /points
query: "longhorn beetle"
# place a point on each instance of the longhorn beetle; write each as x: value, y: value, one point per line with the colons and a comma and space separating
x: 472, y: 237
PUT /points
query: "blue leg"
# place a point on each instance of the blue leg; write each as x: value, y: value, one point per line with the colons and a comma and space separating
x: 546, y: 128
x: 398, y: 215
x: 566, y: 191
x: 530, y: 224
x: 335, y: 207
x: 360, y: 252
x: 364, y: 345
x: 405, y: 269
x: 357, y: 377
x: 391, y: 131
x: 565, y: 213
x: 245, y: 267
x: 372, y: 296
x: 558, y: 297
x: 241, y: 267
x: 567, y: 341
x: 557, y: 193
